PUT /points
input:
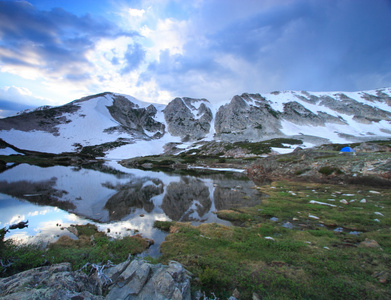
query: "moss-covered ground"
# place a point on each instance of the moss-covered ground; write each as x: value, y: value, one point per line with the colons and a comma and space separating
x: 92, y: 246
x: 328, y: 254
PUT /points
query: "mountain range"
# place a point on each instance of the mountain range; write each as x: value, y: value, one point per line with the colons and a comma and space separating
x: 125, y: 127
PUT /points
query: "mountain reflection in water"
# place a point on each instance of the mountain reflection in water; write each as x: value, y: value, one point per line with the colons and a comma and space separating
x: 124, y: 200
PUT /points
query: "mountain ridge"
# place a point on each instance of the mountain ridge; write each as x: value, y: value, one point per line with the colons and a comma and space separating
x: 145, y: 128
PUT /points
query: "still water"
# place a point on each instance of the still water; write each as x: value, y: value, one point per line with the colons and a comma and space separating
x: 125, y: 201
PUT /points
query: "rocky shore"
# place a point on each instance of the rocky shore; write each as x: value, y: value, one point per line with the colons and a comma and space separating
x: 136, y: 279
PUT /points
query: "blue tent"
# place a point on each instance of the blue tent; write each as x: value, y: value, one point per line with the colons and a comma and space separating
x: 347, y: 149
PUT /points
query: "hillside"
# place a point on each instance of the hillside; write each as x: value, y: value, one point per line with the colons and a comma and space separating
x: 119, y: 126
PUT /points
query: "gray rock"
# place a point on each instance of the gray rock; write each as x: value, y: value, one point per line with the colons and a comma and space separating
x: 129, y: 280
x: 247, y: 117
x: 146, y: 281
x: 186, y: 120
x: 134, y: 119
x: 50, y: 282
x: 298, y: 114
x: 346, y: 105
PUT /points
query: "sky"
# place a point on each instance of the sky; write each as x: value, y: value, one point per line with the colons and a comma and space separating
x: 56, y: 51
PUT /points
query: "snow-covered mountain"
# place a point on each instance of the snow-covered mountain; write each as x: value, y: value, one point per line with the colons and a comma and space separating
x: 337, y: 117
x: 127, y: 127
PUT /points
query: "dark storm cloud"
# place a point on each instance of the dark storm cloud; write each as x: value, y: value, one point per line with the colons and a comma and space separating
x: 56, y: 38
x: 134, y: 56
x: 12, y: 106
x: 304, y: 44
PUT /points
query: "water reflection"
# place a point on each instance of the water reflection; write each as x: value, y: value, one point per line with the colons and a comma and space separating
x: 131, y: 196
x: 124, y: 200
x: 188, y: 199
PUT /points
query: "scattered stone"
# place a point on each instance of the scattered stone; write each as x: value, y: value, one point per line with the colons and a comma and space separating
x: 288, y: 225
x: 370, y: 244
x: 327, y: 248
x: 313, y: 217
x: 363, y: 200
x: 273, y: 219
x: 376, y: 220
x: 374, y: 192
x: 355, y: 232
x: 322, y: 203
x: 269, y: 238
x: 338, y: 229
x: 295, y: 219
x: 351, y: 201
x: 379, y: 213
x: 343, y: 201
x: 382, y: 276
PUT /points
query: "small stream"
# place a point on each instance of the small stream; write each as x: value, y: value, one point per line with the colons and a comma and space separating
x: 125, y: 201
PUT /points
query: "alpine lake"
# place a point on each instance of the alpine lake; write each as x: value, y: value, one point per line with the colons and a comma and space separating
x: 281, y: 240
x: 119, y: 201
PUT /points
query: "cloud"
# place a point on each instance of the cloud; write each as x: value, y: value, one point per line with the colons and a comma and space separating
x: 262, y: 46
x: 158, y: 49
x: 14, y: 99
x: 52, y: 44
x: 134, y: 56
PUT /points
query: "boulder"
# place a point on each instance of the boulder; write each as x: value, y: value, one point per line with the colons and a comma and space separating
x: 135, y: 279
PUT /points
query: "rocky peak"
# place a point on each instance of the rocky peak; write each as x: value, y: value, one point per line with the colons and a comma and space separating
x: 246, y: 118
x: 188, y: 118
x: 133, y: 118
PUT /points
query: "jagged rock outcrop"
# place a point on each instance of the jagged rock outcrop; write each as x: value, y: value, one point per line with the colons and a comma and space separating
x: 135, y: 279
x: 133, y: 118
x: 345, y: 105
x: 247, y: 117
x: 46, y: 119
x: 188, y: 118
x: 296, y: 113
x: 380, y: 96
x: 142, y: 280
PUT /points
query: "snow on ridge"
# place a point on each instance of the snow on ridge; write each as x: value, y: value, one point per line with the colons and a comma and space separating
x: 137, y: 102
x: 87, y: 125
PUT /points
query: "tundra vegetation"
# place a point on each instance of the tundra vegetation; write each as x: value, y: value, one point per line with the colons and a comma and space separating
x: 322, y: 233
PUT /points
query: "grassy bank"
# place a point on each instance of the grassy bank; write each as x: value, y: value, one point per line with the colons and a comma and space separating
x: 92, y: 246
x: 288, y: 247
x: 321, y: 257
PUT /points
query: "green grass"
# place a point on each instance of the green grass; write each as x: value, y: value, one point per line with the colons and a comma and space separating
x: 311, y: 261
x: 78, y: 252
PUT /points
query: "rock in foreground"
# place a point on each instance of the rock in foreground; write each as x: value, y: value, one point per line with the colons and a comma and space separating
x: 135, y: 279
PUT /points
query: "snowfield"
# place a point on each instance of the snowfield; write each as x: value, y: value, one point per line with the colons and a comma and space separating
x: 88, y: 126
